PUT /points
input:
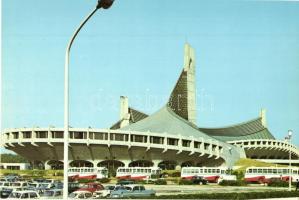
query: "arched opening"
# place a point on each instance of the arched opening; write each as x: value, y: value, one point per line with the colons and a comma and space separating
x: 81, y: 163
x: 36, y: 164
x: 141, y: 163
x: 188, y: 164
x: 167, y: 165
x: 111, y: 165
x: 55, y: 164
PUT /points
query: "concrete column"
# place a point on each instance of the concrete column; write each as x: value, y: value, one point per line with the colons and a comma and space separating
x: 124, y: 111
x: 126, y: 162
x: 156, y: 162
x: 47, y: 166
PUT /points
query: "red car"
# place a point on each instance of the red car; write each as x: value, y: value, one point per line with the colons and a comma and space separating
x: 92, y: 187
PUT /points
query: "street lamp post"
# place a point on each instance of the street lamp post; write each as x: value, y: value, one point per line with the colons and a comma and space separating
x: 105, y: 4
x: 290, y: 132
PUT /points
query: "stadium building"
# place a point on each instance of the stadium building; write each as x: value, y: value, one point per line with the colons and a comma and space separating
x: 169, y: 138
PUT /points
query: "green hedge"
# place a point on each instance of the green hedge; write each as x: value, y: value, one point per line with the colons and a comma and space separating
x: 86, y: 180
x: 245, y: 195
x: 103, y: 180
x: 185, y: 182
x: 233, y: 183
x: 280, y: 183
x: 160, y: 182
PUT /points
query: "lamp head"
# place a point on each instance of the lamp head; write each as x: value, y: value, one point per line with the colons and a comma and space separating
x: 104, y: 4
x: 290, y: 132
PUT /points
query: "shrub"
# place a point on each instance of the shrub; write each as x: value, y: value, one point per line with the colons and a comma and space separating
x: 141, y: 182
x: 86, y: 180
x: 234, y: 195
x: 160, y: 182
x: 232, y: 183
x: 185, y: 182
x: 176, y: 174
x: 239, y: 174
x: 279, y: 183
x: 103, y: 180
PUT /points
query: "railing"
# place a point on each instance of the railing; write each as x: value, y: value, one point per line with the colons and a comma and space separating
x: 266, y: 143
x: 109, y: 137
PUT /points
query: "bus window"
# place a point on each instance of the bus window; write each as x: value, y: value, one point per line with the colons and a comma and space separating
x: 254, y: 171
x: 284, y: 171
x: 274, y: 171
x: 201, y: 171
x: 295, y: 171
x: 217, y: 171
x: 209, y: 171
x: 259, y: 171
x: 250, y: 171
x: 270, y: 171
x: 279, y: 171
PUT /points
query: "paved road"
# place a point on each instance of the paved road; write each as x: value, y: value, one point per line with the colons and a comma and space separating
x: 190, y: 189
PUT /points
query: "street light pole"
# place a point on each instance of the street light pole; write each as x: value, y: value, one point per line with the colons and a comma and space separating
x: 290, y: 132
x: 101, y: 4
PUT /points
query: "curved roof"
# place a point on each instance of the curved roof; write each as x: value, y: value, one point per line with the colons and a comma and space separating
x: 166, y: 121
x: 252, y: 129
x: 135, y: 116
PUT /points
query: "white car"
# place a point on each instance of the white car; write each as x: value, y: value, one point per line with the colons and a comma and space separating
x: 80, y: 195
x: 104, y: 193
x: 26, y: 194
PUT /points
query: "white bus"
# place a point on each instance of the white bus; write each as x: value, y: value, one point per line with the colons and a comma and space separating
x: 137, y: 173
x: 265, y: 174
x: 211, y: 174
x: 87, y: 172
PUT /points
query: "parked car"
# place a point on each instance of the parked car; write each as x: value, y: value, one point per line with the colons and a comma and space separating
x: 73, y: 186
x: 26, y: 194
x: 12, y: 177
x: 5, y: 192
x: 80, y: 195
x: 125, y: 182
x: 9, y: 187
x: 52, y: 194
x: 105, y: 192
x: 129, y: 191
x: 199, y: 180
x: 91, y: 187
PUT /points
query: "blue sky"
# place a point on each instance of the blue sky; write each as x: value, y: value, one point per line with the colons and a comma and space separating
x: 246, y: 51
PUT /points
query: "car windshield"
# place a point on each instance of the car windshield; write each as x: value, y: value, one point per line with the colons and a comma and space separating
x: 15, y: 195
x: 48, y: 193
x: 44, y: 185
x: 72, y: 195
x: 109, y: 187
x: 16, y: 184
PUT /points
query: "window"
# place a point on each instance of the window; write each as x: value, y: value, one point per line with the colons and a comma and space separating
x: 88, y: 195
x: 142, y: 188
x: 172, y: 141
x: 33, y: 195
x: 26, y: 134
x: 186, y: 143
x: 25, y: 196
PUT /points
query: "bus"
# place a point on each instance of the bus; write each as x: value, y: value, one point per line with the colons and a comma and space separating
x: 211, y: 174
x: 87, y: 172
x: 265, y: 174
x: 137, y: 173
